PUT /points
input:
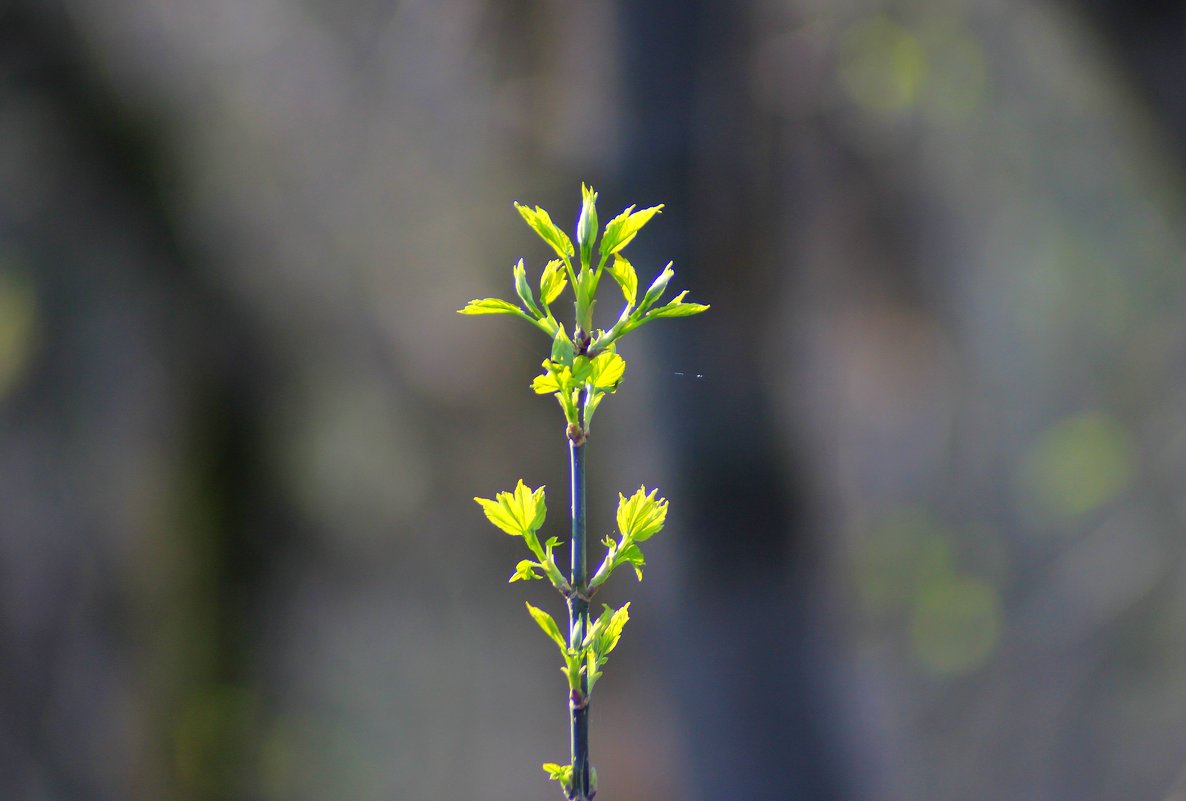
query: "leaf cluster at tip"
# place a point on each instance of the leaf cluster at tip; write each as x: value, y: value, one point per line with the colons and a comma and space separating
x: 581, y: 267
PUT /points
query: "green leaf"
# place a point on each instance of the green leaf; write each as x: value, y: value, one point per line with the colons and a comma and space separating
x: 582, y: 368
x: 677, y: 308
x: 608, y: 369
x: 632, y: 555
x: 556, y: 378
x: 622, y: 229
x: 560, y: 773
x: 517, y: 513
x: 552, y: 282
x: 591, y: 404
x: 656, y: 289
x: 622, y: 271
x: 523, y: 289
x: 545, y: 622
x: 641, y: 516
x: 541, y: 222
x: 609, y: 630
x: 562, y: 348
x: 545, y: 384
x: 491, y: 306
x: 525, y: 571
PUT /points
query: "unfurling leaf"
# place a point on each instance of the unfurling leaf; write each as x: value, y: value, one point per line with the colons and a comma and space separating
x: 541, y: 222
x: 623, y: 228
x: 523, y: 289
x: 560, y: 773
x: 545, y: 384
x: 525, y: 571
x: 552, y: 282
x: 491, y: 306
x: 656, y: 289
x: 587, y: 223
x: 641, y: 516
x: 677, y: 308
x: 622, y: 271
x: 519, y: 513
x: 545, y: 622
x: 555, y: 378
x: 609, y: 630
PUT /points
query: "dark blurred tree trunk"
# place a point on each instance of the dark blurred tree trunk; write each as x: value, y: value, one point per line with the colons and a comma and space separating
x: 752, y: 652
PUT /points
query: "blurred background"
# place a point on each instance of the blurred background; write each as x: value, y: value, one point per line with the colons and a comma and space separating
x: 925, y: 455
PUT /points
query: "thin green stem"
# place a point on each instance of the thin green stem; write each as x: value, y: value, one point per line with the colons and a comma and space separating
x: 578, y: 625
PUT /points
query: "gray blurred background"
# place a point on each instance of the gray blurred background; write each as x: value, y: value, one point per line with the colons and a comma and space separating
x: 927, y: 496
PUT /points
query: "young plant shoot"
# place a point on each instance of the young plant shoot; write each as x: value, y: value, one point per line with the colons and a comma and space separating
x: 582, y: 367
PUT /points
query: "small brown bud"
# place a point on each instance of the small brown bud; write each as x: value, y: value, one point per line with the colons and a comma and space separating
x: 576, y: 434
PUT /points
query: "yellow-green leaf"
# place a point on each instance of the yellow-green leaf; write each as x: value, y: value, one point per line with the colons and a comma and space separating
x: 518, y: 513
x: 677, y: 308
x: 610, y: 630
x: 552, y: 282
x: 491, y: 306
x: 608, y: 369
x: 523, y: 289
x: 623, y: 272
x: 656, y: 289
x: 525, y: 571
x: 622, y: 229
x: 641, y: 516
x: 541, y: 222
x: 548, y: 625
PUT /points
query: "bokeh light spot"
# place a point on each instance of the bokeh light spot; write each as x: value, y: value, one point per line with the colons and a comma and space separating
x: 882, y: 65
x: 1077, y: 465
x: 903, y: 548
x: 955, y: 624
x: 17, y: 323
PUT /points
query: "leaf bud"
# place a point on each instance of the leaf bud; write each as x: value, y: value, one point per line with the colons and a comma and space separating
x: 587, y: 223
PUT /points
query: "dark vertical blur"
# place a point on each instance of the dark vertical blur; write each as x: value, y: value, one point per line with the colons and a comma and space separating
x: 751, y: 649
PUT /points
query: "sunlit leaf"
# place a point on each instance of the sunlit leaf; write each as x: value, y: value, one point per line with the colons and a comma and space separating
x: 622, y: 271
x: 518, y: 512
x: 523, y: 289
x: 491, y: 306
x: 559, y: 773
x: 548, y: 625
x: 656, y: 289
x: 633, y: 556
x: 562, y: 348
x: 608, y: 369
x: 525, y: 571
x: 641, y: 515
x: 677, y: 308
x: 610, y: 630
x: 541, y: 222
x: 622, y: 229
x: 552, y: 282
